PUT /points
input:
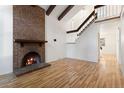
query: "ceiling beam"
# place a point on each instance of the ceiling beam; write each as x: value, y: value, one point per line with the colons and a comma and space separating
x: 50, y: 9
x: 97, y: 6
x: 69, y: 7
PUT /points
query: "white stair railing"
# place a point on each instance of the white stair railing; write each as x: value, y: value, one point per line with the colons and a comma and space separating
x: 108, y: 11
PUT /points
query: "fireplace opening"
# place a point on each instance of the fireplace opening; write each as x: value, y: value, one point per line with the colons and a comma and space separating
x: 30, y: 59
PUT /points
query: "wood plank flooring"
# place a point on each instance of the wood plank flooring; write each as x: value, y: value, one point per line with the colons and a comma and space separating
x: 71, y: 73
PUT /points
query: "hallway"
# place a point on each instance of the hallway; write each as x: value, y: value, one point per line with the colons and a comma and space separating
x: 109, y: 72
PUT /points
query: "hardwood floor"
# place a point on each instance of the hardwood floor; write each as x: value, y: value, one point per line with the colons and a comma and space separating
x: 70, y: 73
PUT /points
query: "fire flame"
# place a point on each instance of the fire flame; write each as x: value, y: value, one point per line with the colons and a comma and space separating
x: 30, y: 61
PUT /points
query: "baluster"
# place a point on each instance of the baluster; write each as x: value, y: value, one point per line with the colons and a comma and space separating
x: 102, y: 12
x: 114, y: 8
x: 107, y: 11
x: 98, y: 11
x: 103, y: 8
x: 119, y: 10
x: 110, y: 7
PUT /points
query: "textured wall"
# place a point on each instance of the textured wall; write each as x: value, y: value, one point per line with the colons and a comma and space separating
x: 28, y: 24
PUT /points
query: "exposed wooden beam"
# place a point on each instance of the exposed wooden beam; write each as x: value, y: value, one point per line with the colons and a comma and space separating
x: 97, y: 6
x: 69, y: 7
x: 72, y: 31
x: 50, y: 9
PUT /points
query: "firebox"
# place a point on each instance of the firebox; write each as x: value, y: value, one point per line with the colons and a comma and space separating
x: 30, y: 59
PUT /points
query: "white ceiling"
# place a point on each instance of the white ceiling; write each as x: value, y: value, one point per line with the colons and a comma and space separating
x: 44, y: 6
x: 73, y: 12
x: 59, y: 9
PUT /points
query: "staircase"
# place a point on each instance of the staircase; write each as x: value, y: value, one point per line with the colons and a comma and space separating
x: 101, y: 13
x: 74, y: 34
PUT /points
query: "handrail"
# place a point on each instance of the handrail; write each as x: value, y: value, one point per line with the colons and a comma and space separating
x: 88, y: 25
x: 107, y: 19
x: 72, y: 31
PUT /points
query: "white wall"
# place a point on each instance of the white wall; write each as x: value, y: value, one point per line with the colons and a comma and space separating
x: 86, y: 47
x: 70, y: 50
x: 54, y: 30
x: 6, y: 40
x: 109, y: 31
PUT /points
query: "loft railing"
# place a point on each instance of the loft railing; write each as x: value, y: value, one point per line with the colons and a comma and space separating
x: 100, y: 13
x: 107, y: 12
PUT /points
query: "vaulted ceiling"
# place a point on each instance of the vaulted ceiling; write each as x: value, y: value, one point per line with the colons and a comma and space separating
x: 63, y: 12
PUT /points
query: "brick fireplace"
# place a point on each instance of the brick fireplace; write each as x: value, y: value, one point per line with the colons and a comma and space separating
x: 29, y: 38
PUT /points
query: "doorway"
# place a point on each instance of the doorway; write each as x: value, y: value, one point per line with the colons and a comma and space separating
x: 108, y: 40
